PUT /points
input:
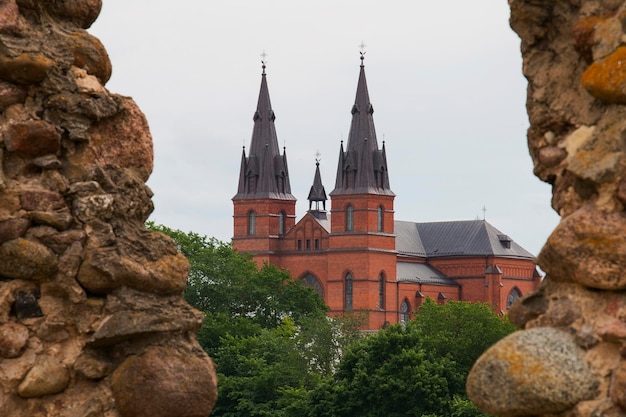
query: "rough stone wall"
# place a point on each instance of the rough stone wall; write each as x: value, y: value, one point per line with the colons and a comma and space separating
x: 570, y: 359
x: 92, y: 322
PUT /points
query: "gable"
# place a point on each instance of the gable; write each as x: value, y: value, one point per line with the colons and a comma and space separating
x: 319, y: 220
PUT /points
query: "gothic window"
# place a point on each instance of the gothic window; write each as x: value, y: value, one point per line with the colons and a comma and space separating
x: 349, y: 219
x: 281, y: 182
x: 348, y: 291
x: 281, y: 223
x: 311, y: 281
x: 308, y: 244
x: 251, y: 182
x: 317, y: 244
x: 380, y: 180
x: 350, y: 174
x: 299, y: 244
x: 514, y: 294
x: 251, y: 223
x: 381, y: 213
x: 381, y: 291
x: 405, y: 311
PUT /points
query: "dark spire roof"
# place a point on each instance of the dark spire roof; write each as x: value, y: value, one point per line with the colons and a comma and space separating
x: 317, y: 193
x: 362, y: 167
x: 264, y: 172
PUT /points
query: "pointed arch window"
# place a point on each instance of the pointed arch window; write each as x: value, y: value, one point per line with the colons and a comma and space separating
x: 513, y: 296
x: 311, y: 281
x: 381, y: 214
x: 348, y: 294
x: 251, y: 223
x: 349, y: 218
x: 281, y: 223
x: 381, y: 291
x: 405, y: 311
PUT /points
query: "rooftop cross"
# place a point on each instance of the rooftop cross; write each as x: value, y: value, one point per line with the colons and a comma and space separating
x: 263, y: 61
x: 362, y: 51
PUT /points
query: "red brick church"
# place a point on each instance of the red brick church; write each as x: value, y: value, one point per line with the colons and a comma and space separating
x: 358, y: 256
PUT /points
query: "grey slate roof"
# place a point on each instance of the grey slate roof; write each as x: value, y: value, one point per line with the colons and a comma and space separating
x: 455, y: 238
x: 322, y: 217
x: 421, y: 273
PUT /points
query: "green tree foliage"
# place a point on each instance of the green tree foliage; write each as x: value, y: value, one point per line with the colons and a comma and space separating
x: 460, y: 331
x: 268, y: 334
x: 388, y: 374
x: 416, y: 369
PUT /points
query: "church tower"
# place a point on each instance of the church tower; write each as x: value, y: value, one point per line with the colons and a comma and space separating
x: 362, y: 240
x: 264, y: 208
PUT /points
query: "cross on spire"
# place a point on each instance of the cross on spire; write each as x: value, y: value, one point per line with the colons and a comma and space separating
x: 362, y: 51
x: 263, y: 60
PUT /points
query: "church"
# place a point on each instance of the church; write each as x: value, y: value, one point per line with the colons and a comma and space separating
x: 357, y: 256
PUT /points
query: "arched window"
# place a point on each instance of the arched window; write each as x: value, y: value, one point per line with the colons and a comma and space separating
x: 348, y: 291
x: 281, y: 223
x: 514, y: 294
x: 251, y: 223
x: 311, y: 281
x: 381, y: 291
x: 381, y: 213
x: 349, y: 219
x: 405, y: 311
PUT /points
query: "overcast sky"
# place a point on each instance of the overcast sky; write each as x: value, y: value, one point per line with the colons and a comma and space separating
x: 444, y: 78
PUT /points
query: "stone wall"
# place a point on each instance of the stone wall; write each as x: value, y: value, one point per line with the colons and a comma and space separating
x: 92, y: 322
x: 569, y: 360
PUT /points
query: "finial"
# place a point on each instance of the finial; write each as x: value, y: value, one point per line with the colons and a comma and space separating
x: 484, y: 212
x: 263, y: 61
x: 317, y: 157
x: 362, y: 52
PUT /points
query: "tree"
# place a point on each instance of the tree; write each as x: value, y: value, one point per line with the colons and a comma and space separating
x: 460, y: 330
x: 388, y: 374
x: 413, y: 369
x: 268, y: 334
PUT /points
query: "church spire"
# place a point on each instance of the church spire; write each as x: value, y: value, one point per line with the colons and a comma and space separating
x: 264, y: 172
x: 317, y: 193
x: 362, y: 167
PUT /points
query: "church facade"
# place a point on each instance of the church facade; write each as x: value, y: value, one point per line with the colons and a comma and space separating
x: 357, y: 255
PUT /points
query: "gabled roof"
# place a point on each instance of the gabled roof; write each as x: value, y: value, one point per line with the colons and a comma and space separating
x: 322, y: 218
x: 264, y: 173
x: 455, y: 238
x: 422, y: 273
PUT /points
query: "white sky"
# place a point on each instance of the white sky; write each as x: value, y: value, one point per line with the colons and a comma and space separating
x: 444, y: 78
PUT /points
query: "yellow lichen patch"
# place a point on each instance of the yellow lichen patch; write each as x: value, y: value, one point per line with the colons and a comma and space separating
x: 25, y: 68
x: 90, y: 55
x: 606, y: 79
x: 583, y: 35
x: 520, y: 367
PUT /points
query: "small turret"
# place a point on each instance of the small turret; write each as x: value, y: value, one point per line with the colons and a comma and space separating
x: 317, y: 193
